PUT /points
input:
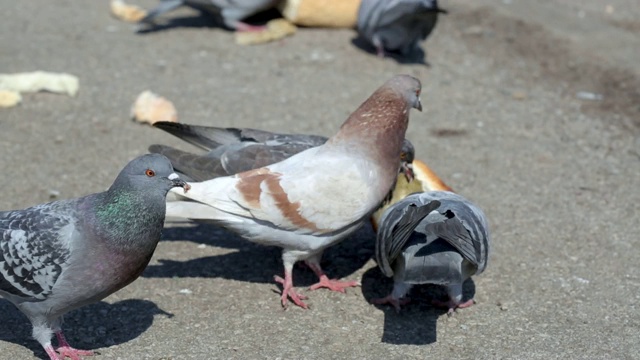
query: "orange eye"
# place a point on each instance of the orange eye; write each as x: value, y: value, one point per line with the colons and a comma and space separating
x: 150, y: 173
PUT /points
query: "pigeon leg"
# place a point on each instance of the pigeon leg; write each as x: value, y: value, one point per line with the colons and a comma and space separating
x: 65, y: 350
x: 289, y: 292
x: 325, y: 282
x: 244, y: 27
x: 390, y: 299
x: 377, y: 43
x: 53, y: 355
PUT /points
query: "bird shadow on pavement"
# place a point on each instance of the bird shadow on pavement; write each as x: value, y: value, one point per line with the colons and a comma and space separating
x: 417, y: 56
x: 415, y: 324
x: 94, y: 326
x: 203, y: 19
x: 257, y: 263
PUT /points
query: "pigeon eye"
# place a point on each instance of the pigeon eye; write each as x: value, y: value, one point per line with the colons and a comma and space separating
x: 150, y: 173
x: 403, y: 156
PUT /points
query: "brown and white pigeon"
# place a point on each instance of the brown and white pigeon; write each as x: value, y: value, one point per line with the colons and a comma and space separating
x: 319, y: 196
x: 233, y: 150
x: 435, y: 237
x: 62, y: 255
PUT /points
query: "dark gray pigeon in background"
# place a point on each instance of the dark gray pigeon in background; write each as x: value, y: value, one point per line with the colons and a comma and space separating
x: 397, y: 25
x: 62, y: 255
x: 435, y: 237
x: 230, y: 12
x: 233, y: 150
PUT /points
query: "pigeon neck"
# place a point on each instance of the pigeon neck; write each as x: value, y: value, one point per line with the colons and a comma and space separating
x: 129, y: 220
x: 377, y: 127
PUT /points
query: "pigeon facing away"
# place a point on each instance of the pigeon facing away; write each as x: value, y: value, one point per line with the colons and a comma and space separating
x: 397, y: 25
x: 62, y: 255
x: 436, y: 237
x: 232, y: 12
x: 318, y: 197
x: 232, y: 150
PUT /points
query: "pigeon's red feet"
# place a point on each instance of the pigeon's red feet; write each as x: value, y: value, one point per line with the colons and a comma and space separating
x: 396, y: 303
x: 244, y: 27
x: 73, y: 354
x: 452, y: 305
x: 289, y: 292
x: 325, y: 282
x: 333, y: 284
x: 66, y: 351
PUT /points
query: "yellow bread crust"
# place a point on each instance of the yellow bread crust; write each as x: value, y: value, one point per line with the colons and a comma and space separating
x: 322, y: 13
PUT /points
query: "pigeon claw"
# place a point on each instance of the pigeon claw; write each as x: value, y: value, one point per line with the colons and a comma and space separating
x: 333, y: 284
x: 289, y: 292
x: 73, y: 354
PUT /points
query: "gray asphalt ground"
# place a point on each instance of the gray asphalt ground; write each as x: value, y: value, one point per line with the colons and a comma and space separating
x: 557, y: 175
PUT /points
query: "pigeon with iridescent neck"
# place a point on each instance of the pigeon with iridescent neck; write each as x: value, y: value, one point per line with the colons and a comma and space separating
x: 59, y: 256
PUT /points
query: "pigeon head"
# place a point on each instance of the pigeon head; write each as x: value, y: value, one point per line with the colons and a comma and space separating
x: 408, y: 88
x: 151, y: 172
x: 406, y: 159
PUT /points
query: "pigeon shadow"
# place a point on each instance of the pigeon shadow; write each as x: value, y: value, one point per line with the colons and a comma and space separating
x: 417, y: 56
x: 94, y: 326
x: 257, y: 263
x: 202, y: 19
x: 415, y: 324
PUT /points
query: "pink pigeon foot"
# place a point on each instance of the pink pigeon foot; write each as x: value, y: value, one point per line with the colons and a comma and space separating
x: 289, y: 292
x: 333, y: 284
x: 396, y: 303
x: 65, y: 350
x: 73, y: 354
x: 244, y: 27
x: 452, y: 305
x: 325, y: 282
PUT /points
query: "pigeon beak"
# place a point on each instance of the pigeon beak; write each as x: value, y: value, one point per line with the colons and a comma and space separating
x: 418, y: 105
x: 407, y: 169
x: 177, y: 182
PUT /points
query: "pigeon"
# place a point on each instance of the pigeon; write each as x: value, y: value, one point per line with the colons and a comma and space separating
x: 318, y: 197
x: 65, y: 254
x: 231, y: 12
x: 397, y: 25
x: 435, y: 237
x: 233, y: 150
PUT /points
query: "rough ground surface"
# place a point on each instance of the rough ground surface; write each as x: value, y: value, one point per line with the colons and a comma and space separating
x: 558, y: 176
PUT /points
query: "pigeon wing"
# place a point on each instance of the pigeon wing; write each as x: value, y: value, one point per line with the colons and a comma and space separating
x: 33, y: 250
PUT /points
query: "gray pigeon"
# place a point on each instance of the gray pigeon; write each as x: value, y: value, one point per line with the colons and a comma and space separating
x: 231, y: 12
x: 397, y: 25
x: 435, y: 237
x: 232, y: 150
x: 317, y: 197
x: 62, y: 255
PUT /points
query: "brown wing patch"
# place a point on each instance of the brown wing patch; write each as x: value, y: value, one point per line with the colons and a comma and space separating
x: 289, y: 210
x: 249, y: 184
x: 427, y: 176
x: 249, y: 187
